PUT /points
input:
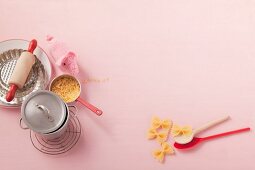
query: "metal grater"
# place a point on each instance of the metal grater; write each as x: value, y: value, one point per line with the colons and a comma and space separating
x: 36, y: 80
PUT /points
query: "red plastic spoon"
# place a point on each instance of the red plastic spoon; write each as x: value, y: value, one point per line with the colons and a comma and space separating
x: 197, y: 140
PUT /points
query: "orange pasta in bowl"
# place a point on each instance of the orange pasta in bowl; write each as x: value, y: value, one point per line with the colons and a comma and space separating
x: 67, y: 88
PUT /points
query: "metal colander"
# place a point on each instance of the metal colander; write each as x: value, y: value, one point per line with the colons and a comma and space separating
x: 36, y: 80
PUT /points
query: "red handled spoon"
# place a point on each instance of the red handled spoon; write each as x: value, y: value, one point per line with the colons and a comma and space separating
x: 197, y: 140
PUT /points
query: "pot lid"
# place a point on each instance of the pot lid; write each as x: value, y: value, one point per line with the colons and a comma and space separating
x: 43, y: 111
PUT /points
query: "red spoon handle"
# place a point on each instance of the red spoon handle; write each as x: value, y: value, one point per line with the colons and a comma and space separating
x: 226, y: 133
x: 90, y: 106
x: 32, y: 46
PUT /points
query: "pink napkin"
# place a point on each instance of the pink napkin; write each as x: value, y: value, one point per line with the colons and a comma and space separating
x: 62, y: 56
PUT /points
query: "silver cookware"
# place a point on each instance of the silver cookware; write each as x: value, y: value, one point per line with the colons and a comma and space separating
x: 45, y: 113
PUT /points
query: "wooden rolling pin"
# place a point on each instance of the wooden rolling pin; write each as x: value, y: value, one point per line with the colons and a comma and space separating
x: 21, y: 70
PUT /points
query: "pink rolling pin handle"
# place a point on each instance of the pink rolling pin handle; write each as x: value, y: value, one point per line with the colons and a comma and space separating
x: 13, y: 87
x: 226, y: 133
x: 90, y: 106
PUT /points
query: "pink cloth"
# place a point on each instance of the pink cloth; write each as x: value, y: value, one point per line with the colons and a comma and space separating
x: 62, y: 56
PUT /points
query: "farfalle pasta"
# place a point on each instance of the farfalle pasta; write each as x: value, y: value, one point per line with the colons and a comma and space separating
x: 165, y: 149
x: 164, y: 124
x: 159, y: 136
x: 159, y: 130
x: 179, y: 131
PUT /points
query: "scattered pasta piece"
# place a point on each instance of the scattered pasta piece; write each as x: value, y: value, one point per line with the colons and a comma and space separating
x: 179, y: 131
x: 164, y: 124
x: 95, y: 80
x: 166, y: 149
x: 159, y: 136
x: 159, y: 130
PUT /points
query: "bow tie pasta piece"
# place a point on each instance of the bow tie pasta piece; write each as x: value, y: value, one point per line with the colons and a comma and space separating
x: 166, y: 149
x: 159, y: 136
x: 164, y: 124
x: 152, y: 133
x: 179, y: 131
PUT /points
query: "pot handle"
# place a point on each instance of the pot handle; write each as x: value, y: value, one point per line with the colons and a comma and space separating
x: 20, y: 124
x: 45, y: 111
x: 76, y: 110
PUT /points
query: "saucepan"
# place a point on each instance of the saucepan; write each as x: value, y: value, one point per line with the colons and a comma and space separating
x: 69, y: 89
x: 45, y: 113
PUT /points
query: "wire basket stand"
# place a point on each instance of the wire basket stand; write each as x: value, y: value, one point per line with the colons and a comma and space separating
x: 61, y: 144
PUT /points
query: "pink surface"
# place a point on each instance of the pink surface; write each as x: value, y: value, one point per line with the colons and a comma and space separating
x: 191, y: 61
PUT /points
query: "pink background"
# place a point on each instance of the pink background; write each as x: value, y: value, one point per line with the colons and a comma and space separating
x: 191, y: 61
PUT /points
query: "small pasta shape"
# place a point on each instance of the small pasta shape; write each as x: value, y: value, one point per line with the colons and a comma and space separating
x: 67, y: 88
